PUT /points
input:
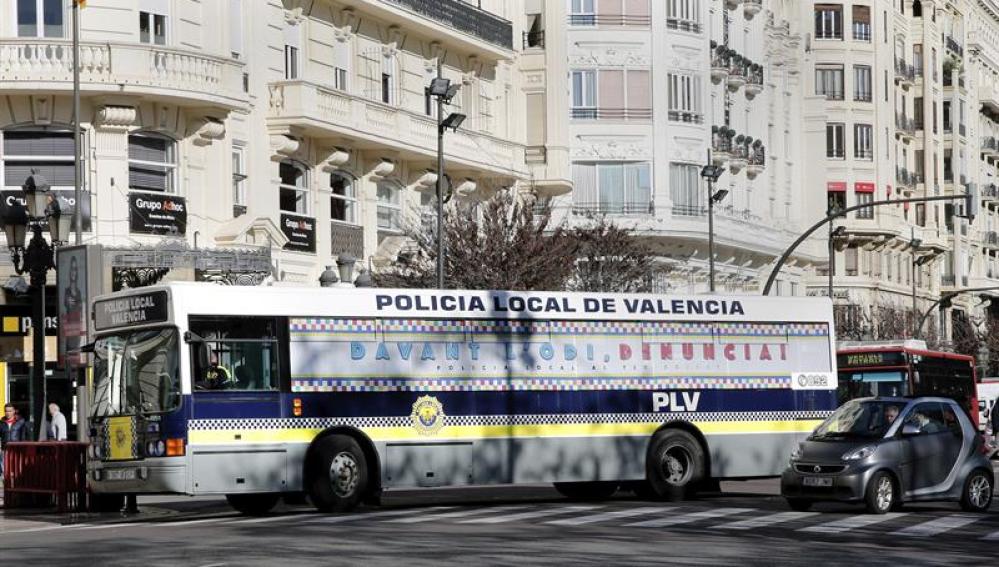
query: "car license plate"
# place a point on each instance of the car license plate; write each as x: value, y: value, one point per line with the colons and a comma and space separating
x: 816, y: 481
x: 120, y: 474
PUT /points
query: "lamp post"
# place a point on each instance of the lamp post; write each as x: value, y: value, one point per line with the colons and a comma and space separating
x: 711, y: 173
x: 37, y: 258
x: 443, y: 91
x: 833, y: 235
x: 944, y: 302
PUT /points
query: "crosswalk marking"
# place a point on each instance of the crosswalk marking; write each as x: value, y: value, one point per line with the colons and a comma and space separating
x: 277, y: 518
x: 938, y: 526
x: 593, y: 518
x: 688, y: 518
x: 994, y: 536
x: 187, y: 522
x: 528, y: 515
x: 450, y: 515
x: 763, y: 521
x: 342, y: 518
x: 851, y: 523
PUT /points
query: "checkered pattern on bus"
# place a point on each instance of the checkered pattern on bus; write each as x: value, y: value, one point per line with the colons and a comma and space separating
x: 505, y: 384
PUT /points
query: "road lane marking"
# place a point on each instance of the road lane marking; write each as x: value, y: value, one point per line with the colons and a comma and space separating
x: 341, y: 518
x: 188, y: 522
x: 593, y: 518
x: 528, y: 515
x: 449, y: 515
x: 764, y: 521
x: 689, y: 518
x: 938, y: 526
x: 30, y: 530
x: 275, y: 518
x: 851, y: 523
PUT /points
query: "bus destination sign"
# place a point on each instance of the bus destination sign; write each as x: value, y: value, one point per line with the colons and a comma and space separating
x: 139, y: 309
x: 872, y: 358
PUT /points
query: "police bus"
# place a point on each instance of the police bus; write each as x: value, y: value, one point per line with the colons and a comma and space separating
x: 341, y: 394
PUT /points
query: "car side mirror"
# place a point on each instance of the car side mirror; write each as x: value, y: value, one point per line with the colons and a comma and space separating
x: 910, y: 429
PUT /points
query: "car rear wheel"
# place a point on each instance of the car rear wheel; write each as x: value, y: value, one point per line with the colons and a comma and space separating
x: 882, y: 493
x: 339, y: 477
x: 253, y: 504
x: 977, y: 494
x: 674, y: 465
x: 586, y: 490
x: 799, y: 504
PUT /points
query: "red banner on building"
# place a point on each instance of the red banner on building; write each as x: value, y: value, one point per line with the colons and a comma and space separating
x: 836, y: 186
x: 861, y: 187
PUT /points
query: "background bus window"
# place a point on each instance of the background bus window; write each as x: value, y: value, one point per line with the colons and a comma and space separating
x: 244, y: 348
x: 945, y: 378
x: 874, y: 383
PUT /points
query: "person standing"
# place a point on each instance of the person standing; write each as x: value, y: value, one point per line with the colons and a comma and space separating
x: 56, y: 430
x: 12, y: 428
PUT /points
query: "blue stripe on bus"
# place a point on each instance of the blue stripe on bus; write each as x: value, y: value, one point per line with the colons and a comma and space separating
x: 221, y: 405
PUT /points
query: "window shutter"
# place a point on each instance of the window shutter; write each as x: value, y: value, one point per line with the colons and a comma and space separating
x: 639, y: 90
x: 38, y: 143
x: 610, y: 86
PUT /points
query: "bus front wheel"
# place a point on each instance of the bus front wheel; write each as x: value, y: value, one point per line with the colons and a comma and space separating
x: 675, y: 464
x: 253, y: 504
x: 340, y: 477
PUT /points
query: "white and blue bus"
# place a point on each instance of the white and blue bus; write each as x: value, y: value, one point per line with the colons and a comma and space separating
x: 342, y: 394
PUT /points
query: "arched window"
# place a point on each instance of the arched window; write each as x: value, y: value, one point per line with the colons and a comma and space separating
x: 343, y: 198
x: 152, y: 163
x: 49, y: 151
x: 294, y: 187
x: 389, y: 196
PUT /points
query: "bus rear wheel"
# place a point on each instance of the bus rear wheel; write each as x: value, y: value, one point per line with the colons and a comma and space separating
x: 586, y: 490
x: 253, y: 504
x: 339, y: 478
x: 674, y: 465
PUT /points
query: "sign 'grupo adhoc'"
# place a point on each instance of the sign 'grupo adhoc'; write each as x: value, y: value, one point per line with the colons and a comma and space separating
x: 301, y: 233
x: 149, y: 213
x: 131, y: 310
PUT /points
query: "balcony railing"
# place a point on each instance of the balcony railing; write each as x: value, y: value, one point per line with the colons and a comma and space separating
x: 347, y: 239
x: 683, y: 25
x: 463, y: 17
x: 989, y: 145
x: 534, y: 39
x: 948, y: 280
x: 862, y: 31
x: 609, y: 20
x: 905, y: 124
x: 619, y: 208
x: 991, y: 239
x: 954, y: 46
x: 681, y: 210
x: 863, y: 96
x: 832, y: 94
x: 611, y: 113
x: 863, y: 153
x: 904, y: 72
x: 990, y: 192
x: 689, y: 117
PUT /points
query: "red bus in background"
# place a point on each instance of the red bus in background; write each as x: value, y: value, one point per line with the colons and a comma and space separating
x: 907, y: 369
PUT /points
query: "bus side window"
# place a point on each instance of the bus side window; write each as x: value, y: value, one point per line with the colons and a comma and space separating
x: 236, y: 353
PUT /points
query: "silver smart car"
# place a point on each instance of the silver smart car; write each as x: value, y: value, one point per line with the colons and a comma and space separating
x: 886, y: 451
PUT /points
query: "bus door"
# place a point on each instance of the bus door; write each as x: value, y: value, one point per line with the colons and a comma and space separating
x: 236, y: 378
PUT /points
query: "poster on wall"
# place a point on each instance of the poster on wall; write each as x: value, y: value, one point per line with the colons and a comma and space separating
x: 71, y: 283
x: 149, y: 213
x: 67, y: 204
x: 301, y: 233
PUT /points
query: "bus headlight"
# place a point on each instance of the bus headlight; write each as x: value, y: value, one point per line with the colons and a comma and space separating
x: 155, y: 448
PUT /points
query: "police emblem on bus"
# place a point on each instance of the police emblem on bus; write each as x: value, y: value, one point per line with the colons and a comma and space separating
x: 427, y: 415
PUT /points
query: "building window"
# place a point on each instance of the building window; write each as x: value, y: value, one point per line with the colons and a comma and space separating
x: 581, y: 13
x: 862, y: 91
x: 863, y: 141
x: 343, y: 199
x: 685, y: 190
x: 236, y: 28
x: 152, y: 163
x: 863, y: 199
x: 294, y: 187
x: 389, y: 197
x: 829, y: 81
x: 835, y: 140
x: 584, y: 94
x: 47, y: 151
x: 684, y: 15
x: 152, y: 28
x: 341, y: 66
x: 836, y: 200
x: 40, y: 18
x: 861, y: 23
x: 828, y: 21
x: 917, y: 59
x: 612, y: 188
x: 292, y: 48
x: 685, y: 98
x: 239, y: 178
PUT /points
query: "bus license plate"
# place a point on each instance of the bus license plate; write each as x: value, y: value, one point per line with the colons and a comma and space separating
x: 120, y: 474
x: 816, y: 481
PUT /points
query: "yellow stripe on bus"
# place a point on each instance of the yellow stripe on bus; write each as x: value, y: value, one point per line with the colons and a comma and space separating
x: 466, y: 432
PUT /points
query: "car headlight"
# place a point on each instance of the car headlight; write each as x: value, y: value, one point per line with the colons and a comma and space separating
x: 796, y: 454
x: 860, y: 454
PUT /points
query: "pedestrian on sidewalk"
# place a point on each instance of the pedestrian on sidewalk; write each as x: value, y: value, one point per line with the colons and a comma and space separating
x: 56, y: 427
x: 12, y: 429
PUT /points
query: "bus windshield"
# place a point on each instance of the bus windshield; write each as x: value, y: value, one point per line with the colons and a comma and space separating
x: 136, y: 373
x: 869, y: 383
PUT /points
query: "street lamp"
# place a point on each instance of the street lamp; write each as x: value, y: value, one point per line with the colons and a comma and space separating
x: 833, y: 235
x: 711, y: 173
x: 41, y: 208
x: 442, y: 90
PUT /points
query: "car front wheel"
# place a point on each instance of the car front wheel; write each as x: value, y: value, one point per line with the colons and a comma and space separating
x: 977, y: 494
x: 882, y: 493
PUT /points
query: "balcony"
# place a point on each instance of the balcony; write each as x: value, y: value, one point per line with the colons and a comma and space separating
x: 683, y: 25
x: 643, y: 208
x: 347, y: 239
x: 989, y: 96
x: 688, y: 117
x: 990, y: 240
x: 906, y: 179
x: 183, y: 77
x: 617, y: 114
x: 990, y: 193
x: 534, y: 40
x: 905, y: 126
x: 905, y: 75
x: 609, y: 20
x: 990, y: 147
x: 954, y: 46
x: 368, y: 124
x: 464, y: 17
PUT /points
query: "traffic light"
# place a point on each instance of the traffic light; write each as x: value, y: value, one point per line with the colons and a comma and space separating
x: 972, y: 202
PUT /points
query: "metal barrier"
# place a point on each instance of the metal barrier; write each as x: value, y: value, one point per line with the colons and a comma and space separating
x: 56, y: 469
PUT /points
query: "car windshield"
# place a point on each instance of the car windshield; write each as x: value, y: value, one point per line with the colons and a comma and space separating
x: 135, y: 373
x: 859, y: 419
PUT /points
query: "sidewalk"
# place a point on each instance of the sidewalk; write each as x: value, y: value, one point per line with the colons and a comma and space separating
x: 151, y: 508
